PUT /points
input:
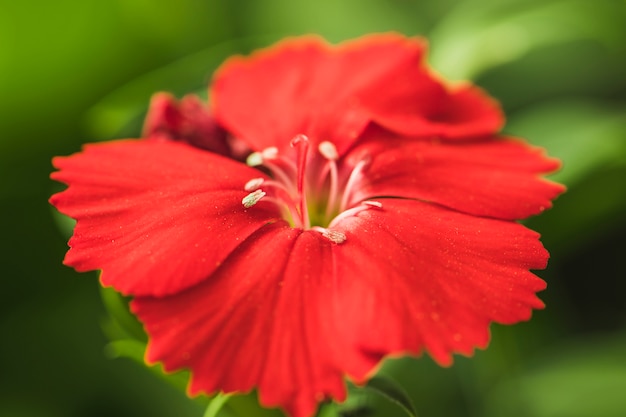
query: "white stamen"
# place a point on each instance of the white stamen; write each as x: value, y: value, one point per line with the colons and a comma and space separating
x: 252, y: 198
x: 253, y: 184
x: 328, y: 150
x: 254, y: 159
x: 270, y: 153
x: 373, y: 204
x: 332, y: 235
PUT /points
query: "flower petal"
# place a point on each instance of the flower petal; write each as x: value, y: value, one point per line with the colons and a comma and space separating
x: 468, y: 112
x: 187, y: 120
x: 413, y: 276
x: 330, y: 93
x: 290, y: 313
x: 462, y: 112
x: 497, y: 177
x: 155, y: 217
x: 265, y: 319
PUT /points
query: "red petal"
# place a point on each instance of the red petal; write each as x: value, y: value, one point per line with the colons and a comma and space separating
x: 188, y: 121
x: 304, y: 86
x: 290, y: 312
x: 461, y: 112
x: 414, y: 276
x: 266, y: 318
x: 468, y: 112
x: 328, y: 93
x: 155, y: 217
x: 495, y: 177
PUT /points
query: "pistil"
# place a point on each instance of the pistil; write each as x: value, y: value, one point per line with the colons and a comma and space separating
x: 301, y: 143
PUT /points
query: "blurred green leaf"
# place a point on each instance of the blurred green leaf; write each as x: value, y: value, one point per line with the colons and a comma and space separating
x: 589, y: 138
x: 584, y: 135
x: 381, y: 396
x: 391, y: 391
x: 223, y: 405
x: 337, y: 20
x: 135, y: 350
x: 579, y: 379
x: 248, y: 405
x: 590, y: 210
x: 216, y: 404
x: 121, y: 112
x: 478, y: 35
x: 64, y: 223
x: 128, y: 348
x: 117, y: 307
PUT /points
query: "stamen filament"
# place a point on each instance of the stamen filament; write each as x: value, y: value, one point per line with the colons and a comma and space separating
x: 271, y: 154
x: 329, y: 151
x: 365, y: 205
x: 352, y: 180
x: 291, y: 209
x: 279, y: 172
x: 332, y: 192
x: 256, y: 183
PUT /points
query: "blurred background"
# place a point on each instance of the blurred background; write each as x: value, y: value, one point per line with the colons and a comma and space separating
x: 80, y: 71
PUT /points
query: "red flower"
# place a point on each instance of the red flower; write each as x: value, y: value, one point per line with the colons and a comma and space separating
x: 376, y: 216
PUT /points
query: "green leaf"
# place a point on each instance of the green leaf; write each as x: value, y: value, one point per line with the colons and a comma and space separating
x: 216, y: 405
x: 130, y: 349
x: 579, y: 378
x: 121, y: 112
x: 585, y: 135
x: 64, y: 223
x: 125, y: 325
x: 476, y: 36
x: 393, y: 392
x: 248, y: 405
x: 135, y: 350
x: 590, y: 140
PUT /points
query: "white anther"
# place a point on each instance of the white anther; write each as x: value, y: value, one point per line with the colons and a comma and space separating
x: 328, y: 150
x: 254, y: 159
x: 334, y: 236
x: 253, y: 184
x: 270, y: 153
x: 252, y: 198
x: 372, y: 204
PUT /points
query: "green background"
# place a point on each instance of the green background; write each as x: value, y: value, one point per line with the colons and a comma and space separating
x: 79, y: 71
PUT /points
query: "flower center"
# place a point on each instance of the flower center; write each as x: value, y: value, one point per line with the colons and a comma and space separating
x: 311, y: 192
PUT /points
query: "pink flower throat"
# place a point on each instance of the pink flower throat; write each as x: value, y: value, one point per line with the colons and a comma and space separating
x: 316, y: 199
